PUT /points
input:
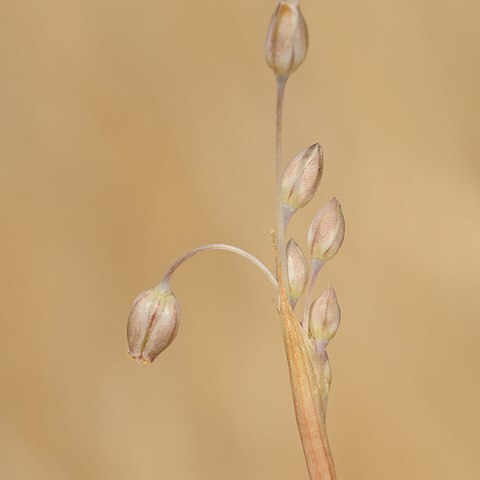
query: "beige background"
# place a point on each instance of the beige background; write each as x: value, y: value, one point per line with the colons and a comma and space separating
x: 131, y: 131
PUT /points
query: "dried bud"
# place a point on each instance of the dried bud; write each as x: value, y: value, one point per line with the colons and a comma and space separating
x: 287, y: 39
x: 153, y: 324
x: 302, y: 176
x: 326, y: 232
x: 297, y: 267
x: 324, y: 318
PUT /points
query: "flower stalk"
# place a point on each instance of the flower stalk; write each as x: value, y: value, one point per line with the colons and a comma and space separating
x: 281, y: 83
x: 165, y: 282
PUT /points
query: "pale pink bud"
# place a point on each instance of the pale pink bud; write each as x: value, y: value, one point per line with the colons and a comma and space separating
x: 302, y: 176
x: 324, y: 318
x: 287, y: 39
x: 153, y: 324
x: 326, y: 232
x: 297, y: 267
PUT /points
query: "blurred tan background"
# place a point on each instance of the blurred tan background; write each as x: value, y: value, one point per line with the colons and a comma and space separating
x: 132, y: 131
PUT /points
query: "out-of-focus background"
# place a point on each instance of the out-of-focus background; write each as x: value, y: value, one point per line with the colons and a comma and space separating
x: 132, y: 131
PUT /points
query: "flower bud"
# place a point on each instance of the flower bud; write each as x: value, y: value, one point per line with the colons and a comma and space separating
x: 324, y: 318
x: 302, y: 176
x: 326, y: 232
x: 297, y: 267
x: 287, y: 39
x: 153, y: 324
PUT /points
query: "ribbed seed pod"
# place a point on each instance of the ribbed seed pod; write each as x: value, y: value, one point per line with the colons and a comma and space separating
x: 287, y: 39
x: 152, y: 324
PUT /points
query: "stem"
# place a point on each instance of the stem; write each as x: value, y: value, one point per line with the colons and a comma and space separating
x: 164, y: 283
x: 281, y: 82
x: 288, y: 212
x: 316, y: 267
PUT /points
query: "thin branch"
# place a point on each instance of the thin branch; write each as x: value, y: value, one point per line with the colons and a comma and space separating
x: 164, y: 283
x: 281, y: 82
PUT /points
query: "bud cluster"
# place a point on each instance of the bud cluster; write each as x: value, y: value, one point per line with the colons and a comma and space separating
x: 325, y: 236
x: 300, y: 182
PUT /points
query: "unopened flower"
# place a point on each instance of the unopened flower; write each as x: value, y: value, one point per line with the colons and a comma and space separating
x: 287, y: 39
x: 326, y: 232
x: 302, y: 176
x: 153, y: 324
x: 297, y: 267
x: 324, y: 318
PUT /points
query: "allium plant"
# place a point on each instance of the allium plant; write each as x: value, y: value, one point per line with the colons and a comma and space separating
x: 155, y: 316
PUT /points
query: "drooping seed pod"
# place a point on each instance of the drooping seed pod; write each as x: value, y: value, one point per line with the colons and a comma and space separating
x: 152, y: 324
x: 326, y: 232
x: 287, y: 39
x: 324, y: 318
x: 297, y: 267
x: 302, y: 176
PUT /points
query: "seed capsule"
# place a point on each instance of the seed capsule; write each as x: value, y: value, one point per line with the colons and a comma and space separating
x: 287, y: 39
x: 324, y: 318
x: 152, y: 325
x: 326, y: 232
x: 297, y: 267
x: 302, y: 176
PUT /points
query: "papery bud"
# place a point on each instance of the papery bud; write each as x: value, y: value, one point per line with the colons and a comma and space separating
x: 287, y: 39
x: 324, y: 318
x: 153, y: 324
x: 326, y: 232
x: 302, y: 176
x: 297, y: 267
